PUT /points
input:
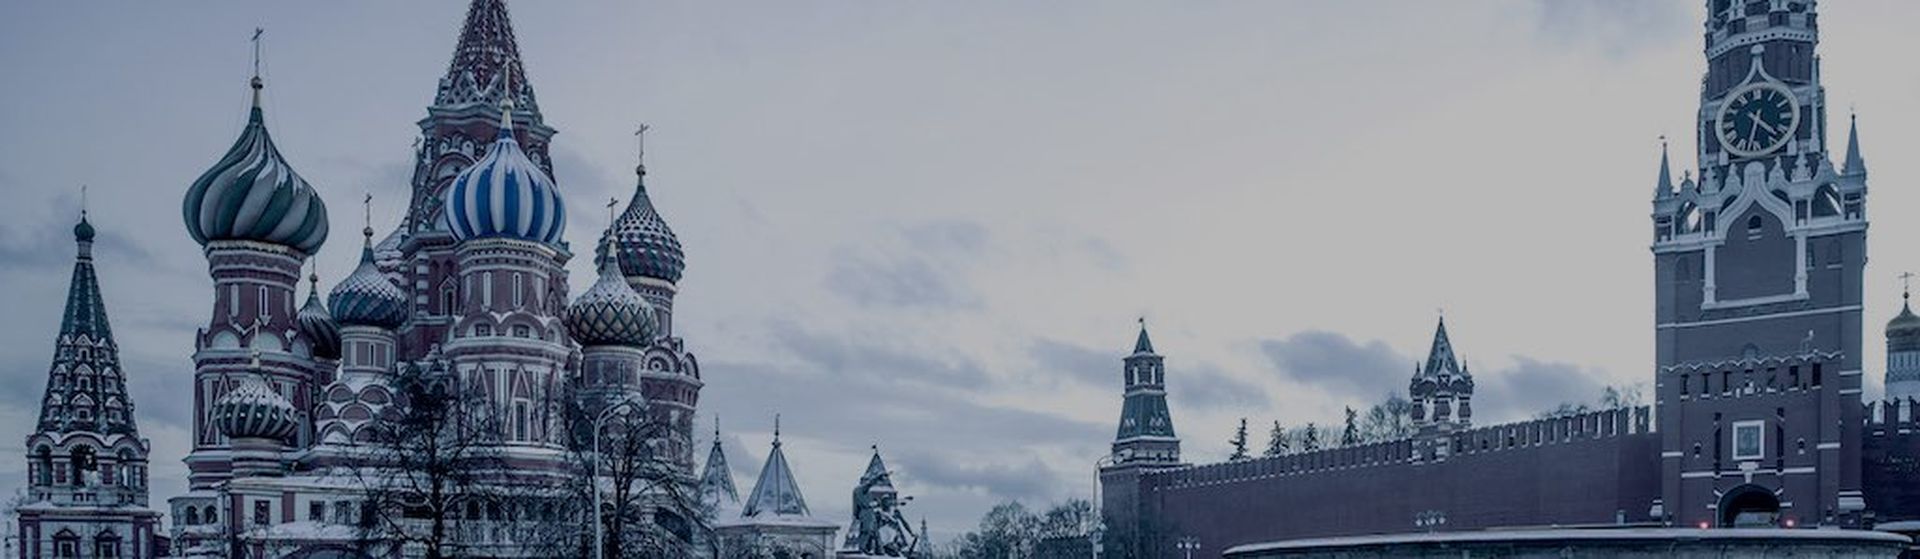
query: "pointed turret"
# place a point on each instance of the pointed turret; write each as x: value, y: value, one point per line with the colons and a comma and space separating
x: 1663, y: 186
x: 717, y: 491
x: 1142, y: 344
x: 1440, y: 357
x: 483, y: 61
x: 86, y: 390
x: 1855, y: 164
x: 776, y: 493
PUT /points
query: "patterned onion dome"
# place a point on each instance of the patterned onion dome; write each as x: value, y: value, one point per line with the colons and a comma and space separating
x: 505, y: 194
x: 253, y: 195
x: 366, y: 298
x: 253, y: 410
x: 316, y: 324
x: 610, y: 312
x: 645, y: 245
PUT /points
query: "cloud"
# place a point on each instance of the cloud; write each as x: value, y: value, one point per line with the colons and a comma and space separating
x: 1334, y: 363
x: 1207, y: 386
x: 1061, y: 360
x: 1617, y: 28
x: 1531, y: 386
x: 1027, y: 480
x: 896, y: 281
x: 868, y: 360
x: 925, y: 267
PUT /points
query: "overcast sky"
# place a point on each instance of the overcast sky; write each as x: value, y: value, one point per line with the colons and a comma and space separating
x: 930, y: 226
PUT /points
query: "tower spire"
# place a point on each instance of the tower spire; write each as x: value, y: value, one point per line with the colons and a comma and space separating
x: 1663, y: 187
x: 486, y: 54
x: 1855, y: 163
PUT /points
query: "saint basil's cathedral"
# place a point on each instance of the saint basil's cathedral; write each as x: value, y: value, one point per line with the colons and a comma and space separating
x: 467, y: 294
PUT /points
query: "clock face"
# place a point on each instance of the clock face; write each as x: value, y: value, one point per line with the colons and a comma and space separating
x: 1757, y: 119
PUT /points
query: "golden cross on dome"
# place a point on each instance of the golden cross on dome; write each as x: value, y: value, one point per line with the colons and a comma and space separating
x: 1906, y: 284
x: 257, y: 31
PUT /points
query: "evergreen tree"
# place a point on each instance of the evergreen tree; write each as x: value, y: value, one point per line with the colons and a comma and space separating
x: 1310, y: 439
x: 1350, y: 435
x: 1239, y: 442
x: 1277, y: 441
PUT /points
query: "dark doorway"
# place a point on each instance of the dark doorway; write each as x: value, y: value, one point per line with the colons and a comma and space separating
x: 1749, y: 506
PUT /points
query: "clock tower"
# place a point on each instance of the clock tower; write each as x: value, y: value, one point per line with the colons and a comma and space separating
x: 1757, y: 274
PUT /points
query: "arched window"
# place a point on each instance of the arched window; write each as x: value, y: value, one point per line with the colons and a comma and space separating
x: 44, y: 466
x: 212, y: 515
x: 1755, y: 225
x: 191, y: 517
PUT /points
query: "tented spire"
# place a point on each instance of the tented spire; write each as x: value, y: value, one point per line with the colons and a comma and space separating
x: 486, y: 56
x: 1855, y: 165
x: 1142, y: 344
x: 1663, y: 187
x: 776, y: 493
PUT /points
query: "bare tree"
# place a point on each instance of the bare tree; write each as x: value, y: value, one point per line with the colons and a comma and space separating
x: 423, y: 461
x: 1389, y: 420
x: 649, y: 508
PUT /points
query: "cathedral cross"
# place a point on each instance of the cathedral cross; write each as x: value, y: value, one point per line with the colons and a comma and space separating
x: 1906, y: 284
x: 257, y: 31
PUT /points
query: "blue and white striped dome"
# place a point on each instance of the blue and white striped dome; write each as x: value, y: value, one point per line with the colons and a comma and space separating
x: 505, y: 194
x: 253, y: 410
x: 253, y: 195
x: 316, y: 325
x: 611, y: 312
x: 366, y: 298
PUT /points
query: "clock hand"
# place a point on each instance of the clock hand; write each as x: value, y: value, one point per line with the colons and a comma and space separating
x: 1763, y: 124
x: 1754, y: 128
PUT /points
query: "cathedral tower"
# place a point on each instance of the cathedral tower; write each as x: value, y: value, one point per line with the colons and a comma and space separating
x: 86, y: 461
x: 1757, y: 274
x: 484, y: 75
x: 257, y: 221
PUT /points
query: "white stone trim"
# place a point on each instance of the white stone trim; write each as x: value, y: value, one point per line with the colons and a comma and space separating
x: 1736, y: 320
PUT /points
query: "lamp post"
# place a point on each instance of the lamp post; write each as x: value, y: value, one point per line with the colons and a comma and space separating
x: 599, y: 528
x: 1188, y: 544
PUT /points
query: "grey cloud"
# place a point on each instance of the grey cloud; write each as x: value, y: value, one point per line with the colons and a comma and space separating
x: 1205, y: 385
x: 870, y: 361
x: 947, y: 236
x: 1028, y: 480
x: 1337, y: 364
x: 1531, y: 386
x: 858, y: 413
x: 1617, y: 28
x: 927, y: 272
x: 896, y: 281
x: 1061, y: 360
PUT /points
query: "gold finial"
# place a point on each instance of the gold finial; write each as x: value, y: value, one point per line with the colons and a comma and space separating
x: 1906, y: 285
x: 776, y: 428
x: 83, y: 202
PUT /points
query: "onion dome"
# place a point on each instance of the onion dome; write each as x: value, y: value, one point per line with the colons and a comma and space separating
x: 253, y: 195
x: 83, y: 231
x: 505, y: 194
x: 316, y: 325
x: 611, y: 312
x: 1903, y: 332
x: 644, y: 244
x: 254, y: 410
x: 366, y: 298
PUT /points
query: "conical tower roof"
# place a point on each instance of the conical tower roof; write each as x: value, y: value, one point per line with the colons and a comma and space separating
x: 1142, y: 344
x: 877, y: 470
x: 776, y: 493
x: 1440, y: 357
x: 716, y: 479
x: 1855, y: 163
x: 86, y: 389
x: 486, y: 62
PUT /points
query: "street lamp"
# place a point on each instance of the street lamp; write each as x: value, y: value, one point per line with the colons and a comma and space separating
x: 599, y: 528
x: 1188, y: 544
